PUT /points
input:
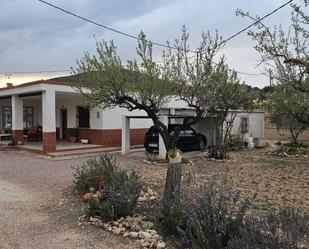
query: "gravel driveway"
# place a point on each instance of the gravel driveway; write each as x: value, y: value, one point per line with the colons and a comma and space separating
x: 34, y: 212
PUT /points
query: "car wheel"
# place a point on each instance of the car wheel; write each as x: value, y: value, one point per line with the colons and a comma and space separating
x: 202, y: 145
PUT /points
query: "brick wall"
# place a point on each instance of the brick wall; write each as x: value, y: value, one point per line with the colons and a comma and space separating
x: 17, y: 136
x: 111, y: 137
x: 49, y: 142
x: 137, y: 136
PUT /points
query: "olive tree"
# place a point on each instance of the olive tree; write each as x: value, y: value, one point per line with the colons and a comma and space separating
x: 286, y: 106
x: 207, y: 86
x: 232, y: 97
x: 148, y: 86
x: 284, y: 51
x: 108, y: 82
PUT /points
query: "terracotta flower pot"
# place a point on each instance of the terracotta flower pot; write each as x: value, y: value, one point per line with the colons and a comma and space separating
x: 73, y: 139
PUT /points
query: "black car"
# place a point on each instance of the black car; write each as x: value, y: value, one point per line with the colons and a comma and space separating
x: 188, y: 139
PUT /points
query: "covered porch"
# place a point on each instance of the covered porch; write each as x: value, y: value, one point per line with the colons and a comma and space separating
x: 38, y: 117
x: 61, y: 146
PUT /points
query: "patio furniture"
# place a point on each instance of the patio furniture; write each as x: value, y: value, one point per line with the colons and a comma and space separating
x: 5, y: 135
x: 34, y: 134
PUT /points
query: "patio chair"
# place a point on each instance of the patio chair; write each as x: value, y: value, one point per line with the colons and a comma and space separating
x: 34, y: 134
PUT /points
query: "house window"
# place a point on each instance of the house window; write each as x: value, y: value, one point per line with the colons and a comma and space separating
x: 83, y: 117
x: 7, y: 118
x: 28, y: 117
x: 244, y: 125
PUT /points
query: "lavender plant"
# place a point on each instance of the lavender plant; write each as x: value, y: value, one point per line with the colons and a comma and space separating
x: 286, y: 228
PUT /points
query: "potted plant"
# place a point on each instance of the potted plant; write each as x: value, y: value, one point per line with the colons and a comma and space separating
x: 174, y: 156
x: 72, y: 134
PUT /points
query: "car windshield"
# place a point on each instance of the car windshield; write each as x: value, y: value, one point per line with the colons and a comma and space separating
x: 187, y: 133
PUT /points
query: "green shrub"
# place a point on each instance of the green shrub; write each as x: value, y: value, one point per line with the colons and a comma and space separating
x: 91, y: 173
x: 293, y: 149
x: 169, y: 216
x: 118, y: 199
x: 286, y: 228
x: 72, y: 132
x: 119, y: 191
x: 216, y: 217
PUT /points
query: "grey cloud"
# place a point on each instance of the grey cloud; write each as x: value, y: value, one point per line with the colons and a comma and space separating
x: 35, y: 37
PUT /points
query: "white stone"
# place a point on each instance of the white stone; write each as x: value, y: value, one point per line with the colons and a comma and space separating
x: 126, y: 234
x: 152, y: 232
x: 146, y: 235
x: 145, y: 244
x: 134, y: 235
x: 161, y: 245
x: 116, y: 231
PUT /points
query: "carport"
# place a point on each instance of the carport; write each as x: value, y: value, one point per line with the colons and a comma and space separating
x: 125, y: 134
x: 206, y: 127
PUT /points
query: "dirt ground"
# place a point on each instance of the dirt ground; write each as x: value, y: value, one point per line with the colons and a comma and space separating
x: 273, y: 181
x: 37, y: 211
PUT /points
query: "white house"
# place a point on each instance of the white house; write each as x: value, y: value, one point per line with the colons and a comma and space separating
x: 55, y: 107
x: 49, y: 108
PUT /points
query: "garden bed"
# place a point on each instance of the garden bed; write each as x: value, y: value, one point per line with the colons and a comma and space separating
x: 269, y: 181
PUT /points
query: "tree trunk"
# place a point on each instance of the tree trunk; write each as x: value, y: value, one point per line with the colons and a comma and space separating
x: 216, y: 153
x: 173, y: 182
x: 294, y: 136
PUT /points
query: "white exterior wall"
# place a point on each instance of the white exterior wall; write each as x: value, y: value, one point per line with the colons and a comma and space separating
x: 66, y: 97
x: 96, y: 118
x: 255, y: 124
x: 112, y: 118
x: 174, y: 103
x: 70, y: 103
x: 207, y: 127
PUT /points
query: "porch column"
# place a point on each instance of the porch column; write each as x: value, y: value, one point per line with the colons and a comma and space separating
x: 125, y: 135
x: 162, y: 149
x: 49, y: 120
x: 17, y: 120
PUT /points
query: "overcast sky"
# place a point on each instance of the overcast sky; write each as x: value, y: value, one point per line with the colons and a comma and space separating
x: 36, y: 37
